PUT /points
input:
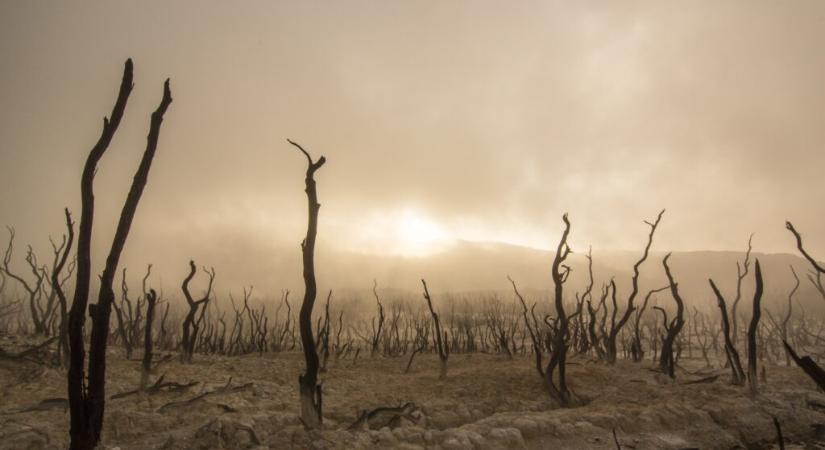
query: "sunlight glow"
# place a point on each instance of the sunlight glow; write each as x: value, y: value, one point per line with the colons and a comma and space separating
x: 407, y: 232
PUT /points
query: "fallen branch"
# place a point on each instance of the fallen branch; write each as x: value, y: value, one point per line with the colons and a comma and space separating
x: 159, y: 386
x: 709, y: 379
x: 30, y: 351
x: 227, y: 388
x: 385, y: 416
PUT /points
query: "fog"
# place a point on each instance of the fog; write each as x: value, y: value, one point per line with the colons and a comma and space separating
x: 464, y: 121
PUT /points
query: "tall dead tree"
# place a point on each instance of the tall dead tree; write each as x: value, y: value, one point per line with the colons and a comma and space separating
x: 57, y: 287
x: 818, y: 269
x: 87, y: 396
x: 555, y: 373
x: 784, y: 327
x: 616, y: 327
x: 754, y: 326
x: 190, y: 330
x: 309, y: 389
x: 441, y: 345
x: 735, y: 364
x: 741, y: 272
x: 672, y: 329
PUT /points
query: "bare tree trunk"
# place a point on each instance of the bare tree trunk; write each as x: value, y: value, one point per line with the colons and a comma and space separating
x: 738, y: 375
x: 441, y: 345
x: 757, y: 313
x: 741, y: 272
x: 617, y: 327
x: 87, y: 400
x: 61, y: 296
x: 557, y: 385
x: 190, y: 330
x: 310, y: 390
x: 666, y: 360
x: 146, y: 366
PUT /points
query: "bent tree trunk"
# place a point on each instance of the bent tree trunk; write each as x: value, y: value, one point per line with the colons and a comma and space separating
x: 310, y: 390
x: 666, y: 360
x: 557, y: 385
x: 615, y: 328
x: 737, y: 375
x: 87, y: 398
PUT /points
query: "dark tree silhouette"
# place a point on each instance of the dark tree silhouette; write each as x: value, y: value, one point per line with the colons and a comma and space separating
x: 555, y: 373
x: 441, y: 345
x: 616, y: 327
x: 672, y: 329
x: 816, y: 276
x: 57, y: 287
x: 310, y: 390
x: 190, y: 326
x: 146, y: 363
x: 752, y: 330
x: 87, y: 395
x: 737, y: 375
x: 39, y: 316
x: 741, y: 272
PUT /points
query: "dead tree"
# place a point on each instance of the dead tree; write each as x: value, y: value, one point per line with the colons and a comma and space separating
x: 124, y: 324
x: 87, y: 397
x: 666, y: 360
x: 737, y: 374
x: 34, y: 291
x: 376, y: 333
x: 616, y: 327
x: 310, y: 390
x: 441, y: 345
x: 784, y: 327
x: 555, y: 373
x: 757, y: 313
x: 535, y: 337
x: 816, y: 276
x: 146, y: 364
x: 811, y: 368
x: 636, y: 350
x: 741, y: 272
x: 57, y: 287
x: 190, y: 328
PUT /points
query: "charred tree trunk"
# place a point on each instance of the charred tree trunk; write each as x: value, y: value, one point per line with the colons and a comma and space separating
x: 310, y: 390
x: 666, y: 359
x: 818, y: 269
x: 754, y: 326
x: 441, y: 345
x: 741, y: 272
x: 146, y: 366
x: 737, y: 374
x: 63, y: 336
x: 87, y: 399
x: 617, y: 327
x: 189, y: 328
x: 555, y: 374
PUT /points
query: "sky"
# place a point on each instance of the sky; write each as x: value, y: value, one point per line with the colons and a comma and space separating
x: 440, y: 121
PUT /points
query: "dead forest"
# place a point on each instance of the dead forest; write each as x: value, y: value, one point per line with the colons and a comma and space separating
x: 199, y: 364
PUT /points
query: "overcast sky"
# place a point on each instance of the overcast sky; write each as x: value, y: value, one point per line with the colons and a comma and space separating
x: 440, y: 120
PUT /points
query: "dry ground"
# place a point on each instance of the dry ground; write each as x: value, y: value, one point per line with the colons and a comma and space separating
x: 487, y: 401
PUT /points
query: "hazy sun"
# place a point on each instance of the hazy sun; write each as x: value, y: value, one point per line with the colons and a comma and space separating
x: 417, y: 233
x: 407, y: 231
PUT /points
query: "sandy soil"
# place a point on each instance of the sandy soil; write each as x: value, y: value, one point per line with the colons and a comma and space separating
x: 487, y: 401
